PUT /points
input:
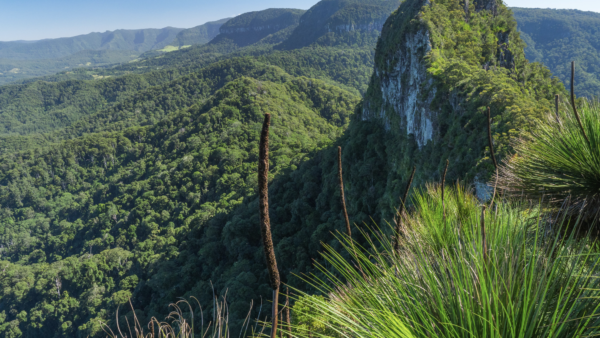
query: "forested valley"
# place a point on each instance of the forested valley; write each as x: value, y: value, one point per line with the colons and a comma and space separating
x: 136, y: 183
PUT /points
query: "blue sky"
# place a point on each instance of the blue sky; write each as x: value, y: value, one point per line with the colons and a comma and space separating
x: 39, y: 19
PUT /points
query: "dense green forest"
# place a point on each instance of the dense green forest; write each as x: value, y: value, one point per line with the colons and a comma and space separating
x: 139, y: 181
x: 557, y: 37
x: 112, y: 194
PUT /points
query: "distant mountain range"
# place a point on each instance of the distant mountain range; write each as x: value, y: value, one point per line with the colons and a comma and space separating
x: 21, y: 60
x: 138, y: 40
x: 553, y: 37
x: 557, y: 37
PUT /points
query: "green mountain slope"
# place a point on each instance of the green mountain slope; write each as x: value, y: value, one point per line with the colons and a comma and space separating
x: 139, y: 40
x: 332, y: 22
x: 101, y: 213
x: 557, y: 37
x: 199, y: 35
x: 249, y: 28
x: 72, y: 108
x: 149, y: 106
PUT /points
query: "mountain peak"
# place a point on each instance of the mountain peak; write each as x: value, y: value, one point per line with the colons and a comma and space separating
x: 437, y: 68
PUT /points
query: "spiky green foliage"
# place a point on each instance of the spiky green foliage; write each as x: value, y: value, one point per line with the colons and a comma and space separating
x: 557, y: 161
x: 461, y: 207
x: 528, y: 286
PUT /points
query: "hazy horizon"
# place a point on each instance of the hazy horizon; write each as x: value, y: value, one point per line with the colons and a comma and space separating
x: 34, y: 20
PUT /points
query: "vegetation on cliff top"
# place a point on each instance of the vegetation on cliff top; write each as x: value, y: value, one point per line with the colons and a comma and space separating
x: 557, y: 37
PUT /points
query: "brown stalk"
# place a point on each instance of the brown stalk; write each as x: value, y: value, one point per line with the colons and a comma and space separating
x: 344, y: 210
x: 281, y: 323
x: 489, y: 116
x: 286, y: 313
x: 444, y: 186
x: 401, y: 210
x: 265, y: 222
x: 573, y: 101
x: 556, y: 100
x: 483, y: 237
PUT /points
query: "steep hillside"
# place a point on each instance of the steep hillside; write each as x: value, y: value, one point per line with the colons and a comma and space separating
x: 249, y: 28
x: 71, y: 108
x: 435, y: 75
x: 332, y: 22
x: 139, y: 40
x: 150, y: 105
x: 199, y: 35
x: 557, y: 37
x: 101, y: 214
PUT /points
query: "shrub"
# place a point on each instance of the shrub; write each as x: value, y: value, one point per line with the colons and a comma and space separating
x: 556, y: 161
x: 529, y: 283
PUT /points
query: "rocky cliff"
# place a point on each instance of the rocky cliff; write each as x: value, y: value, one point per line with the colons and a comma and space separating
x: 438, y: 65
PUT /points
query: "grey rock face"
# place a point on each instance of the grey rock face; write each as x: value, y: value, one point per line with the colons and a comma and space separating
x: 407, y: 92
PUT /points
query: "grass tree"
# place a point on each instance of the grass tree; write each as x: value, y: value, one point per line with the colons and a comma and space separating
x: 517, y: 280
x: 560, y: 160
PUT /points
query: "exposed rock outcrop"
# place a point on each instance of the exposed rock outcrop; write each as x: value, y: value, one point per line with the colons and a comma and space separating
x: 406, y: 90
x: 435, y: 72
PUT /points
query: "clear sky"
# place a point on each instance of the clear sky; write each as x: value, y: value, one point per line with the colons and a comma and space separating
x: 39, y: 19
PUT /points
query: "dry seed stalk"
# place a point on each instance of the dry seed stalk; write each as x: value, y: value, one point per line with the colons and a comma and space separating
x: 265, y: 222
x: 401, y: 210
x: 556, y: 100
x: 286, y: 313
x: 344, y: 210
x: 573, y: 101
x: 444, y: 186
x: 483, y: 237
x: 489, y: 116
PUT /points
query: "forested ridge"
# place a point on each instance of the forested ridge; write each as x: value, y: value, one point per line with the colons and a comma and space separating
x: 556, y: 37
x: 141, y: 184
x: 102, y: 212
